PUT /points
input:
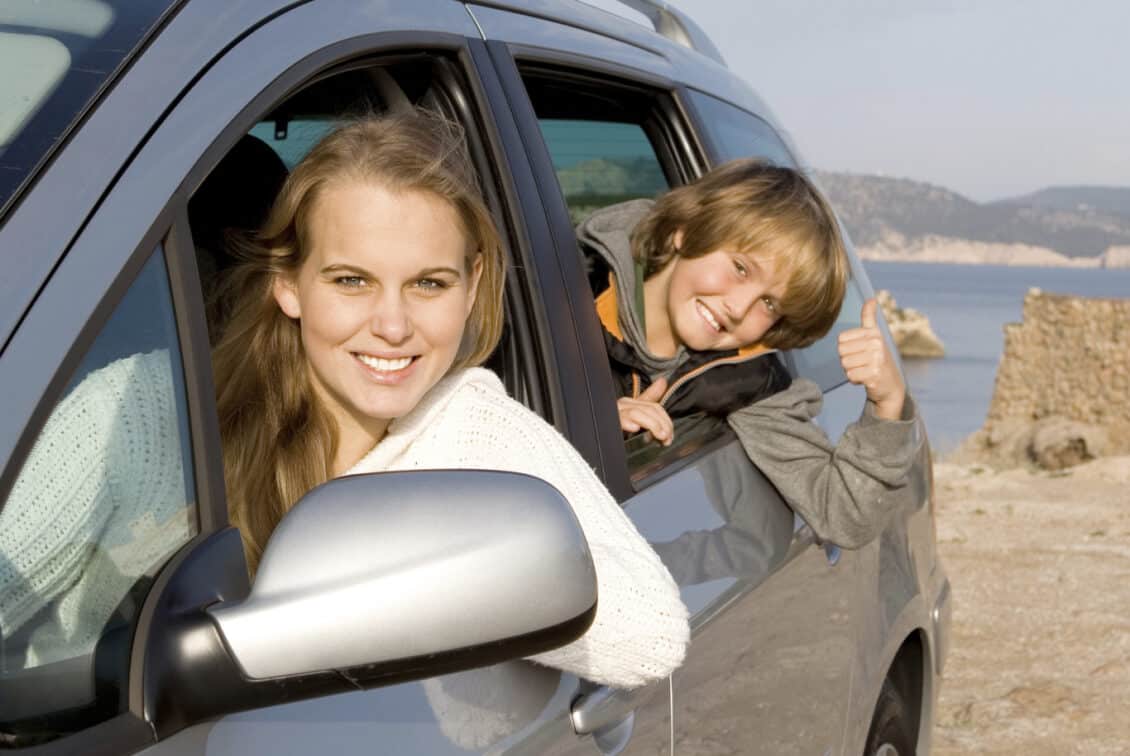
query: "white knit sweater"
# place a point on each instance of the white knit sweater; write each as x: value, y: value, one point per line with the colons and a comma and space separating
x: 467, y: 421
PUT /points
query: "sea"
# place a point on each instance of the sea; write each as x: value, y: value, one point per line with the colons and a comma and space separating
x: 968, y: 307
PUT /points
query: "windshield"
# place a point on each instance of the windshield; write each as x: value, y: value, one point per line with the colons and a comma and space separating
x: 55, y: 56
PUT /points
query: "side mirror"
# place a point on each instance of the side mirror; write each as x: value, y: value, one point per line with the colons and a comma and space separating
x: 382, y: 578
x: 396, y: 566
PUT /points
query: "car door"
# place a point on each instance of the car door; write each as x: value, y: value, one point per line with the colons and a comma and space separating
x: 147, y: 239
x: 774, y: 630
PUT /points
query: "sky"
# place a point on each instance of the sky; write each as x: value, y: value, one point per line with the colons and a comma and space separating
x: 989, y: 98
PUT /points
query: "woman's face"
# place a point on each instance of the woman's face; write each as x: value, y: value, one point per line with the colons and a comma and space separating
x: 382, y: 298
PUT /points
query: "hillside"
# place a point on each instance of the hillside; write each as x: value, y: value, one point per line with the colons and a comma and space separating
x: 1104, y: 199
x: 902, y: 219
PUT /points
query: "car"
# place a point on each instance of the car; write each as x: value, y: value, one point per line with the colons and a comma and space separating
x: 134, y: 137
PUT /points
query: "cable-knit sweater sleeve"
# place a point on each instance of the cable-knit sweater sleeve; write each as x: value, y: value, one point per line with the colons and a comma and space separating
x: 98, y: 501
x: 846, y: 491
x: 641, y: 630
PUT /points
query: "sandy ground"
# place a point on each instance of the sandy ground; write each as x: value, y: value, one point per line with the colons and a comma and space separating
x: 1040, y: 567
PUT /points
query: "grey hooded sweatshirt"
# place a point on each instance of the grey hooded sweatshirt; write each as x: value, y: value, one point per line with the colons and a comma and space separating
x: 846, y: 491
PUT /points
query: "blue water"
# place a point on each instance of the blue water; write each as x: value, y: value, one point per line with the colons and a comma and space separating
x: 968, y: 306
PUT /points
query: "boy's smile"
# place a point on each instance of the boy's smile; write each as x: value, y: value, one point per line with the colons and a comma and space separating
x: 720, y: 301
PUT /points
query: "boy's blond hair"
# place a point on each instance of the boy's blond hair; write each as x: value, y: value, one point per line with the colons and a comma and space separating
x: 764, y: 210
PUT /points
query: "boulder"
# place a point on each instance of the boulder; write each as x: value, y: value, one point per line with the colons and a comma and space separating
x: 1051, y: 443
x: 910, y: 329
x: 1057, y: 442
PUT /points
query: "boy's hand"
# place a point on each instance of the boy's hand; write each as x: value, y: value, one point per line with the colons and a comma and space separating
x: 868, y: 363
x: 644, y: 412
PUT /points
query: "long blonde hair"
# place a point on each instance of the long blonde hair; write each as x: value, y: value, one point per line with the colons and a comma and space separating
x: 278, y: 439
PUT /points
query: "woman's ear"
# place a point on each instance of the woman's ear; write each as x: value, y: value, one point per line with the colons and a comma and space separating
x: 473, y: 282
x: 285, y: 292
x: 677, y: 238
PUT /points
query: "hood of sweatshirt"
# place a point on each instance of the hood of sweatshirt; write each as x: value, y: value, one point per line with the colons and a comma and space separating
x: 608, y: 232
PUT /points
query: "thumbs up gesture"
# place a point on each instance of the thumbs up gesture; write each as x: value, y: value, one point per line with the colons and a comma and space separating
x: 867, y: 362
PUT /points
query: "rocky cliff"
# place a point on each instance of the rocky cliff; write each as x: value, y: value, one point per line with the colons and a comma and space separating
x: 910, y: 329
x: 1062, y: 392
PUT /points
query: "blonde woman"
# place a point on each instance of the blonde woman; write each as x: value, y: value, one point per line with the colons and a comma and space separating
x: 361, y: 311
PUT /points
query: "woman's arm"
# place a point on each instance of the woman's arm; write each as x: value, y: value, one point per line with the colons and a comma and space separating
x: 640, y: 631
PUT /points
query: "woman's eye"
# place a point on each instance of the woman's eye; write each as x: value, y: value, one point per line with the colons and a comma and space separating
x: 769, y: 305
x: 741, y: 268
x: 431, y: 285
x: 350, y: 282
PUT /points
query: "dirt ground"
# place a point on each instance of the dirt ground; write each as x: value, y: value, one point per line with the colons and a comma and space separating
x: 1040, y: 568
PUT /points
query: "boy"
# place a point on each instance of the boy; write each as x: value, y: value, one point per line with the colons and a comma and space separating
x: 706, y: 284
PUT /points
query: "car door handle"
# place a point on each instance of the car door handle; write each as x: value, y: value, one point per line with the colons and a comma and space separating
x: 604, y: 706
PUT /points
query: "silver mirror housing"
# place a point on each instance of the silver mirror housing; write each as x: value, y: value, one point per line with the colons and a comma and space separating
x: 388, y: 567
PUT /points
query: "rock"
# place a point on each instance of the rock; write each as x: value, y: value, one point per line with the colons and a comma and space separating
x: 1057, y: 442
x: 910, y: 329
x: 1116, y: 257
x: 1051, y: 443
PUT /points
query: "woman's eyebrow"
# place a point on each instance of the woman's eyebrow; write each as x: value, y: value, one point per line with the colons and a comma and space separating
x: 440, y: 269
x: 345, y: 268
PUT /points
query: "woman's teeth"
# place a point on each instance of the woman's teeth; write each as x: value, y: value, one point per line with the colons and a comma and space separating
x: 708, y: 316
x: 385, y: 366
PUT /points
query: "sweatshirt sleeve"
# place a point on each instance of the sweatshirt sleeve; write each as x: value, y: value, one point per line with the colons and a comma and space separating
x: 845, y: 491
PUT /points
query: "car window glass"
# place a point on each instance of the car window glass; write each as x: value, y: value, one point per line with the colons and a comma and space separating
x: 600, y: 163
x: 292, y: 139
x: 736, y: 133
x: 100, y: 503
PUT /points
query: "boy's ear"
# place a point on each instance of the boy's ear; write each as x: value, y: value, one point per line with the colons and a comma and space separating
x: 677, y: 238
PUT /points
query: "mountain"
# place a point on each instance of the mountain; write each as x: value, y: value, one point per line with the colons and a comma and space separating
x: 890, y: 218
x: 1104, y: 199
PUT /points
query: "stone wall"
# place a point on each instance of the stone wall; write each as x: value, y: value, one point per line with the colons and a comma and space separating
x: 1068, y: 359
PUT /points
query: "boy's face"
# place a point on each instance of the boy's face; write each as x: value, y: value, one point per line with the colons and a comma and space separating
x: 725, y: 299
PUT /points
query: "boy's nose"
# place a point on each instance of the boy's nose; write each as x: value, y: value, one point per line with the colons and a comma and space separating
x: 390, y: 319
x: 739, y: 302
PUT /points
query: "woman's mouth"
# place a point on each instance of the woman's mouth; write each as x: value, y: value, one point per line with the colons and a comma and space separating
x: 386, y: 369
x: 708, y: 316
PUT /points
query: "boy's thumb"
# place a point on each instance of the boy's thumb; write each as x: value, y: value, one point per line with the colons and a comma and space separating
x: 655, y: 391
x: 867, y: 316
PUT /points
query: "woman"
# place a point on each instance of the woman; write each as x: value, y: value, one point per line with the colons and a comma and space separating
x: 359, y: 314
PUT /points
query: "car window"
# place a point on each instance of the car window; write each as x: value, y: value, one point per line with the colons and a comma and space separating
x: 102, y: 501
x: 609, y: 144
x: 600, y: 163
x: 735, y: 133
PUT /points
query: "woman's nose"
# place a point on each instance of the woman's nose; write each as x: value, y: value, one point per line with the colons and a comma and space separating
x: 390, y: 319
